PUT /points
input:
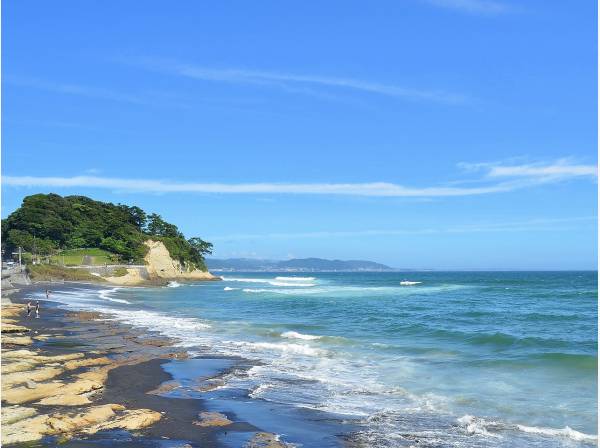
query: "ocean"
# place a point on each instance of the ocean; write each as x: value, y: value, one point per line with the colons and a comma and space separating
x: 451, y: 359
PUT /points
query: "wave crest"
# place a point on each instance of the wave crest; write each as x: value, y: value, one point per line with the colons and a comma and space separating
x: 295, y: 335
x: 477, y: 425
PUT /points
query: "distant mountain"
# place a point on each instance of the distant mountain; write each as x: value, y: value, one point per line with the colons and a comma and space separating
x: 240, y: 264
x: 294, y: 265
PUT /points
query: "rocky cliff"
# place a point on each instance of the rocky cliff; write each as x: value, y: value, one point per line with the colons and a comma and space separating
x: 160, y: 266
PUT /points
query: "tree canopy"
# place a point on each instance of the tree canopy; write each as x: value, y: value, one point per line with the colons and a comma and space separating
x: 47, y: 223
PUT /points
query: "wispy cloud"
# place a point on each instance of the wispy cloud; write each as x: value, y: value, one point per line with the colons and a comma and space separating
x: 516, y: 177
x: 148, y: 98
x: 541, y: 224
x: 486, y: 7
x: 559, y: 169
x: 299, y: 83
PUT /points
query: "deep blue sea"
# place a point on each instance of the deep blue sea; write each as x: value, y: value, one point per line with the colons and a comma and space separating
x: 458, y: 359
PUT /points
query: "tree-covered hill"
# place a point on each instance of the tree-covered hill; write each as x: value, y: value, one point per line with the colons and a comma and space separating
x: 48, y: 223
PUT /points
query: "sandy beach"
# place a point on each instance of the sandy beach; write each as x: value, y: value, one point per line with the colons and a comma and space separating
x: 78, y: 380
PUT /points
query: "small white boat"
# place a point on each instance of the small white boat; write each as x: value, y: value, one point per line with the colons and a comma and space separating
x: 408, y: 283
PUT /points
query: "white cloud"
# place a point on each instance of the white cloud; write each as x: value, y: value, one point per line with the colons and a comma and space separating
x: 159, y: 186
x: 487, y: 7
x: 519, y: 177
x: 74, y: 89
x: 146, y: 99
x: 298, y: 82
x: 558, y: 169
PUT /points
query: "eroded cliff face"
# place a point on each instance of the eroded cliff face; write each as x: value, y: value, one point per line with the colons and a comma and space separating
x: 159, y: 264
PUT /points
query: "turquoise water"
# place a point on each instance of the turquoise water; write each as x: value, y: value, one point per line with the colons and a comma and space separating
x: 459, y: 359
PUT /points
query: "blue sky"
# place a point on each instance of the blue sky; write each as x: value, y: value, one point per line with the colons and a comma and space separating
x: 450, y: 134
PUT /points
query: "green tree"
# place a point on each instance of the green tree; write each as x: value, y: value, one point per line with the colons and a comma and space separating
x: 201, y: 246
x: 158, y: 227
x: 47, y: 222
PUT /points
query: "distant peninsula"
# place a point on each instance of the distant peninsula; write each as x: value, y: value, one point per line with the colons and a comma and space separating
x: 295, y: 265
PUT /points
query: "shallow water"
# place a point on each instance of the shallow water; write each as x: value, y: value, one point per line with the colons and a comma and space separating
x: 460, y: 359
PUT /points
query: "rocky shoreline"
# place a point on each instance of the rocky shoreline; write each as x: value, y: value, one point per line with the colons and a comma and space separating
x: 75, y: 377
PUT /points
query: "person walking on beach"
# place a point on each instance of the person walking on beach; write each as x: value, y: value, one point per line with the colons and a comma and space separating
x: 37, y: 310
x: 28, y: 308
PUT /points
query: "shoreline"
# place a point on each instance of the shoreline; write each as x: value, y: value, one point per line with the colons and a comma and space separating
x: 127, y: 383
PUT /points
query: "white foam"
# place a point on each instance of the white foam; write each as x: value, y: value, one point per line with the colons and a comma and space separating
x: 477, y: 425
x: 294, y: 284
x: 295, y: 335
x: 104, y: 294
x: 296, y: 279
x: 409, y: 283
x: 258, y: 391
x: 227, y: 288
x: 272, y: 282
x: 168, y: 325
x: 286, y: 348
x: 245, y: 280
x: 173, y: 284
x: 565, y: 432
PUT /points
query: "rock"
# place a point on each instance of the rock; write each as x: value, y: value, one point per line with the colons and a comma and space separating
x: 26, y: 430
x: 133, y: 277
x: 165, y: 387
x: 75, y: 364
x: 129, y: 420
x: 61, y: 424
x: 17, y: 340
x: 17, y: 366
x: 12, y: 328
x: 266, y: 440
x: 20, y: 395
x: 12, y: 310
x: 210, y: 384
x: 160, y: 265
x: 90, y: 421
x: 212, y: 419
x: 97, y: 375
x: 42, y: 337
x: 18, y: 354
x: 65, y: 400
x: 28, y: 355
x: 41, y: 374
x: 11, y: 414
